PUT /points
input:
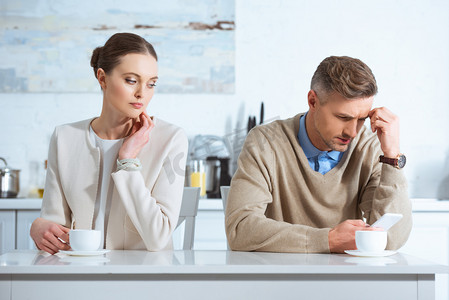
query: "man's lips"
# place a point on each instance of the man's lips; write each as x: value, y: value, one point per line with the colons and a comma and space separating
x: 137, y: 105
x: 344, y: 141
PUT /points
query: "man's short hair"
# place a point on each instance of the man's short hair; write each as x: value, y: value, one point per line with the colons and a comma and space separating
x: 350, y: 77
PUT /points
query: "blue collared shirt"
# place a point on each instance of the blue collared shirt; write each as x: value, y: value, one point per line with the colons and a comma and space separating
x: 320, y: 161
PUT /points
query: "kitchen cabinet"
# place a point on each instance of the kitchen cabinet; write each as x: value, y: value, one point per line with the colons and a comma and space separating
x: 209, y: 227
x: 429, y: 238
x: 24, y: 219
x: 7, y: 230
x: 16, y: 217
x: 210, y: 231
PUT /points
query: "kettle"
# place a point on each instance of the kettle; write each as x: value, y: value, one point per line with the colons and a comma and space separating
x: 9, y: 181
x: 217, y: 174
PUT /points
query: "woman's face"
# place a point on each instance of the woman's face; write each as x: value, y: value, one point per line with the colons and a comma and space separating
x: 129, y: 87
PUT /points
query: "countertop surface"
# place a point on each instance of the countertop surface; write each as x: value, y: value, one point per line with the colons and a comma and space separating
x: 418, y: 204
x: 211, y: 262
x: 35, y: 204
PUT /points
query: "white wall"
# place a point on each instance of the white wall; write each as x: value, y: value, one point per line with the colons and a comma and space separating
x: 278, y: 46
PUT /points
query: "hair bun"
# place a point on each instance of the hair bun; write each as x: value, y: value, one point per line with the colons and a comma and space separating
x: 95, y: 57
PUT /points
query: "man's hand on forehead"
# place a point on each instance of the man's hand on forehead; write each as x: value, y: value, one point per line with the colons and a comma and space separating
x: 386, y: 125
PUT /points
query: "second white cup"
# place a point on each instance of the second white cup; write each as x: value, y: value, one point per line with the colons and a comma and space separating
x: 85, y: 240
x: 371, y: 241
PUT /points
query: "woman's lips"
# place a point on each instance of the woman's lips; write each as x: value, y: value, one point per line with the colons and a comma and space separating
x: 137, y: 105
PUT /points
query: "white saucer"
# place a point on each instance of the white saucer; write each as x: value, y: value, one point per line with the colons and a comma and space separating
x: 370, y: 261
x: 370, y: 254
x: 85, y: 253
x: 87, y: 260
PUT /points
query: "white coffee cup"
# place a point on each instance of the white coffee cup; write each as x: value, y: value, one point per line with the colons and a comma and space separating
x: 84, y: 239
x: 371, y: 241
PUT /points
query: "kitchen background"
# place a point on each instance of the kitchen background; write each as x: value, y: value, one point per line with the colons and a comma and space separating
x: 277, y: 46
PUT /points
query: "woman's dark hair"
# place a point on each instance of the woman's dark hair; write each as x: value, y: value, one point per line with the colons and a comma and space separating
x: 118, y: 45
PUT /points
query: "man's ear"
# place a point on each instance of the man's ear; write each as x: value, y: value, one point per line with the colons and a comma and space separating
x: 312, y: 100
x: 101, y: 77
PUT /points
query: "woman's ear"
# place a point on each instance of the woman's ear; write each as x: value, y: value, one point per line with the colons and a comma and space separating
x: 101, y: 77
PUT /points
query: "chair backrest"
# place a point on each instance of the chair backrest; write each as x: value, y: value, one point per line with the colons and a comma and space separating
x: 224, y: 195
x: 189, y: 209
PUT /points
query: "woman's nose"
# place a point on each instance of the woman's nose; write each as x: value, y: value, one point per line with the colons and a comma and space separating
x: 139, y: 92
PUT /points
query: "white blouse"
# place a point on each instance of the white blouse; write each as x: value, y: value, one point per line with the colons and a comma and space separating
x: 108, y: 163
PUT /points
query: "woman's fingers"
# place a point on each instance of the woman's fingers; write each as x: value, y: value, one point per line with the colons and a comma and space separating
x: 138, y: 138
x: 64, y: 238
x: 150, y: 121
x: 56, y: 238
x: 46, y: 244
x: 49, y: 236
x: 48, y: 250
x: 50, y: 239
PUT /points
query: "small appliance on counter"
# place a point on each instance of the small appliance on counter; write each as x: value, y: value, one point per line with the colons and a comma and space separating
x: 217, y: 174
x: 208, y: 165
x: 9, y: 181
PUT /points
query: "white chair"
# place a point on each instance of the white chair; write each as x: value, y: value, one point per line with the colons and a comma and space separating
x: 189, y: 209
x: 224, y: 195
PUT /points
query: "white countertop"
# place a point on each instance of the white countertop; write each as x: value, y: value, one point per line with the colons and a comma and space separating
x: 35, y: 203
x: 211, y: 262
x: 418, y: 204
x: 20, y: 203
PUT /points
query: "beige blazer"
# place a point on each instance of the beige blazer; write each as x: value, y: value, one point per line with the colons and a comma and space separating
x: 145, y: 204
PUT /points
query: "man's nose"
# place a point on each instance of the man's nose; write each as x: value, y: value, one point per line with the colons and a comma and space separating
x: 351, y: 129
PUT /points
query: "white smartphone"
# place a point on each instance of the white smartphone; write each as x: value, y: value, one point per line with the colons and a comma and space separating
x: 387, y: 221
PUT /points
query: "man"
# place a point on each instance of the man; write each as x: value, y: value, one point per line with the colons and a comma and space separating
x: 305, y: 184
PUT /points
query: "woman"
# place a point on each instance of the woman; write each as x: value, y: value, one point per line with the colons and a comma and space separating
x: 121, y: 173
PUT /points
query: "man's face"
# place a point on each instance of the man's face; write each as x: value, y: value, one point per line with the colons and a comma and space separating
x: 335, y: 123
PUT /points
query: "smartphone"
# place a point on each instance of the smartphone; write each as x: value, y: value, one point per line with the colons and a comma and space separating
x: 387, y: 221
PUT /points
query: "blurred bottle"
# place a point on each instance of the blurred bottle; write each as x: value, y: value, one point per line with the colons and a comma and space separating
x: 42, y: 177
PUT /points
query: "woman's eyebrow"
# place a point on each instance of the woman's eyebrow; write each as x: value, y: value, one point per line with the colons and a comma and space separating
x: 137, y: 75
x: 131, y: 73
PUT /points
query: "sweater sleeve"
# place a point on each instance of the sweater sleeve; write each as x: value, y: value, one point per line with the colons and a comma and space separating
x: 386, y: 192
x: 154, y: 210
x: 54, y: 203
x: 247, y: 227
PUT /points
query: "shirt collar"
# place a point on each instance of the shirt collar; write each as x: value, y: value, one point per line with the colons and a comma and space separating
x: 309, y: 149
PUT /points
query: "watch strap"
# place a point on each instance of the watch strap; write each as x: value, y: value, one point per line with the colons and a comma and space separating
x: 394, y: 161
x: 387, y: 160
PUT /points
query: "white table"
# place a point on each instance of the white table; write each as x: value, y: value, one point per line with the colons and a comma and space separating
x: 197, y: 274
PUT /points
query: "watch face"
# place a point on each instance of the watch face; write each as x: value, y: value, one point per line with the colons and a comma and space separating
x: 401, y: 161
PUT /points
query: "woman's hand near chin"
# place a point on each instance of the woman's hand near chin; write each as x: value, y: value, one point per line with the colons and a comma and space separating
x: 138, y: 138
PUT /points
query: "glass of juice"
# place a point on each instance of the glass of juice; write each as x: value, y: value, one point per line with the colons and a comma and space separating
x: 198, y: 175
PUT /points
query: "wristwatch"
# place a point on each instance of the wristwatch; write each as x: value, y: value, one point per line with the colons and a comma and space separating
x: 398, y: 162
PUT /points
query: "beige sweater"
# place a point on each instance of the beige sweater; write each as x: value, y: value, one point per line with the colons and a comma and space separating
x: 277, y: 203
x: 145, y: 204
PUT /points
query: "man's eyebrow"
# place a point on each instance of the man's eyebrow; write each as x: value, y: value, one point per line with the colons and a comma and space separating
x: 343, y: 115
x: 346, y: 116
